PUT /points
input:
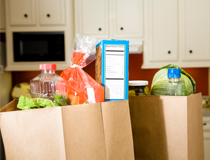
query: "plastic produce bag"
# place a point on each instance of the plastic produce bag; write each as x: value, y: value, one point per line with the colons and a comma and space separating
x: 75, y: 84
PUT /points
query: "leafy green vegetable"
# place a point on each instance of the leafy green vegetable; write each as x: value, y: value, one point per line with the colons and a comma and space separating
x: 31, y: 103
x: 26, y: 103
x: 160, y: 81
x: 59, y: 100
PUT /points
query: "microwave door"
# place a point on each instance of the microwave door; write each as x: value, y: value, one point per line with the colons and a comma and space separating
x: 38, y: 47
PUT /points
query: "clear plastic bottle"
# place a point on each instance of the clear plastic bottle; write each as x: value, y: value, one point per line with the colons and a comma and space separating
x: 174, y: 86
x: 44, y: 85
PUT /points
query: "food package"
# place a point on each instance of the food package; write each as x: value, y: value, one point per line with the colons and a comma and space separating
x: 75, y: 84
x: 111, y: 69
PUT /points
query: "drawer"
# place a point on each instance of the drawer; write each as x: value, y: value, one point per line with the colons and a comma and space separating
x: 206, y: 134
x: 206, y: 124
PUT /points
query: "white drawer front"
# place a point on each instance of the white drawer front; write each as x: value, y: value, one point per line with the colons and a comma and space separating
x: 206, y: 123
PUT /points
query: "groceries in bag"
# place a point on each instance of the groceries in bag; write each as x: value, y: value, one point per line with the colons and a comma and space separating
x: 26, y: 103
x: 174, y: 86
x: 138, y: 88
x: 111, y: 68
x: 160, y: 81
x: 44, y: 85
x: 80, y: 87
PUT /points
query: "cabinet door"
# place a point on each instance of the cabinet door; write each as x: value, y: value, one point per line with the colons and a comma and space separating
x: 206, y: 136
x: 127, y: 18
x: 2, y: 15
x: 52, y: 12
x: 91, y: 18
x: 195, y: 29
x: 162, y: 30
x: 21, y: 12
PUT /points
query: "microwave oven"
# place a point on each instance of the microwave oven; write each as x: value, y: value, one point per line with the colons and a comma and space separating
x: 38, y: 46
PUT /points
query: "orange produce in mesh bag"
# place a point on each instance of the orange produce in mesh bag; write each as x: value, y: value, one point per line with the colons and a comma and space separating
x: 75, y: 84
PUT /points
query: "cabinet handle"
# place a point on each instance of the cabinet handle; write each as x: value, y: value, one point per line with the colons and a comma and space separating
x: 169, y: 52
x: 121, y: 28
x: 48, y: 15
x: 191, y: 51
x: 25, y: 15
x: 204, y: 124
x: 99, y: 29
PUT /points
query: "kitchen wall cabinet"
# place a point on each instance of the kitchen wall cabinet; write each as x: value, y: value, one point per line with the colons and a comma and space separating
x: 195, y: 30
x: 127, y: 19
x: 35, y: 12
x: 177, y: 32
x: 39, y: 16
x: 21, y: 12
x: 206, y: 134
x: 52, y: 12
x: 111, y: 19
x: 91, y: 18
x: 2, y: 15
x: 163, y: 34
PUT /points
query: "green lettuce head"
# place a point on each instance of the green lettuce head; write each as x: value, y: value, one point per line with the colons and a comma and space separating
x: 160, y: 80
x: 25, y: 103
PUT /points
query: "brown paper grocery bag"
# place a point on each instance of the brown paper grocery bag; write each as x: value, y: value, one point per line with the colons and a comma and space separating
x: 117, y: 129
x: 167, y: 127
x: 99, y: 131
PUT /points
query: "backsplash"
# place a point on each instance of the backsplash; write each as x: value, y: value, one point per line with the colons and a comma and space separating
x: 200, y: 75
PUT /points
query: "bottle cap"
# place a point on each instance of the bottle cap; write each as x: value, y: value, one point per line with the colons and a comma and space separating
x: 174, y: 73
x: 138, y: 83
x: 47, y: 67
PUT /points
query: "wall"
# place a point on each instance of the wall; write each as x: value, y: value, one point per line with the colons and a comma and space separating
x: 200, y: 75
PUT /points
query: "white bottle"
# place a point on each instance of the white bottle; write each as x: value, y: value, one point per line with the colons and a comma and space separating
x: 174, y: 86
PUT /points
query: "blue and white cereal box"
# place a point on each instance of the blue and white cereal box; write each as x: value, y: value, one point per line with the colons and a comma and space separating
x: 112, y: 61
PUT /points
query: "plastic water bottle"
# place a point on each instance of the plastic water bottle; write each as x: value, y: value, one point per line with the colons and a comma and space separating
x: 174, y: 86
x: 44, y: 85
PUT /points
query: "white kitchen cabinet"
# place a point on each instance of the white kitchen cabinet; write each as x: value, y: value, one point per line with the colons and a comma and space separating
x: 91, y: 18
x: 51, y: 12
x: 206, y: 135
x: 21, y: 12
x: 2, y: 15
x: 36, y: 12
x: 127, y: 19
x: 177, y: 32
x: 41, y: 16
x: 163, y: 34
x: 195, y: 30
x: 111, y: 19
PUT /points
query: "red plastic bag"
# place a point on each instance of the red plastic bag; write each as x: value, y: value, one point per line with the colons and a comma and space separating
x: 75, y: 84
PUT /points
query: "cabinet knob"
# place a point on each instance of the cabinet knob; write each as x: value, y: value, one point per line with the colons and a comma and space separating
x: 99, y: 29
x: 121, y: 28
x: 204, y: 124
x: 191, y: 51
x: 48, y: 15
x: 25, y: 15
x: 169, y: 52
